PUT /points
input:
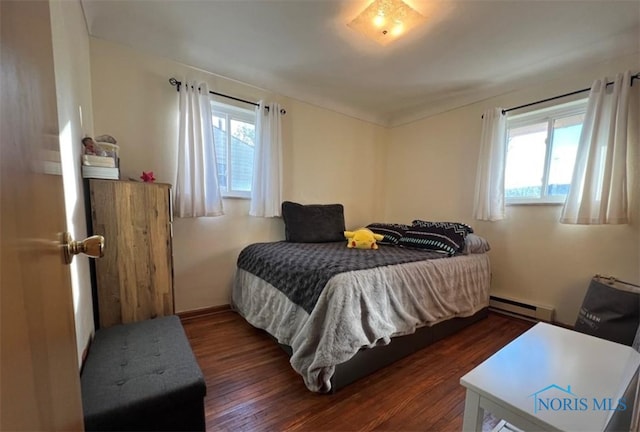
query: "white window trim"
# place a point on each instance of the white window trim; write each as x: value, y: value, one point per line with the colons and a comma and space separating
x: 547, y: 200
x: 237, y: 113
x: 235, y: 194
x: 564, y: 110
x: 536, y: 116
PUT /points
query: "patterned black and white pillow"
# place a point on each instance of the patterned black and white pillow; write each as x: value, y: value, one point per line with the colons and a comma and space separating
x: 392, y: 232
x: 456, y: 226
x: 448, y: 237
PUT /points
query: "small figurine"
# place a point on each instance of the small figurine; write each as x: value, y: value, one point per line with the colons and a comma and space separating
x: 89, y: 146
x: 92, y: 148
x: 147, y: 177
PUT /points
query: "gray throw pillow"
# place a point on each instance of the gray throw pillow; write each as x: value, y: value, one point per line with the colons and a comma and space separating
x: 313, y: 223
x: 474, y: 244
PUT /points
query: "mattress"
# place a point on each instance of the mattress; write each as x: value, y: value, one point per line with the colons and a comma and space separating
x: 361, y: 308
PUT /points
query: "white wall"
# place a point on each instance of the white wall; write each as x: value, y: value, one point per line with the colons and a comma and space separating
x: 425, y: 169
x: 328, y: 158
x: 73, y: 88
x: 431, y: 166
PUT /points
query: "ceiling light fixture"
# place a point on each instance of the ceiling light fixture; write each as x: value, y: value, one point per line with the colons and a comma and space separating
x: 386, y: 20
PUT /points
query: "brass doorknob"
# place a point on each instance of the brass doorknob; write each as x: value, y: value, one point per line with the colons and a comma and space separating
x: 91, y: 246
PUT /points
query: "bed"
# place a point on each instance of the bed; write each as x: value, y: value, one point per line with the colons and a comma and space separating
x: 343, y: 313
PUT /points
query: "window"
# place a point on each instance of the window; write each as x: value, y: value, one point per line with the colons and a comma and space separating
x: 541, y: 152
x: 234, y: 134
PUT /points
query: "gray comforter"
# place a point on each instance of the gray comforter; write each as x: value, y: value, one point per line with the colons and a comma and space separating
x: 301, y: 270
x: 362, y: 308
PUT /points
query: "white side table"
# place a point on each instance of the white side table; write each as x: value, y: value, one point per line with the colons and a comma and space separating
x: 551, y: 378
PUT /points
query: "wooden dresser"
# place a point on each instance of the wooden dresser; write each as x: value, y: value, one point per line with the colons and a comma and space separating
x: 134, y: 279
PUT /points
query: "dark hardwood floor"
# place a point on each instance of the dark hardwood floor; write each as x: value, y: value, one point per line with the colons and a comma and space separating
x: 252, y: 387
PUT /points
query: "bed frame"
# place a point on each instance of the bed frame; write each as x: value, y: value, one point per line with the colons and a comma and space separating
x: 367, y: 361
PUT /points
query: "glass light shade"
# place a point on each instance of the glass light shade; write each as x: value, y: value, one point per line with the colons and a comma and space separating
x: 386, y: 20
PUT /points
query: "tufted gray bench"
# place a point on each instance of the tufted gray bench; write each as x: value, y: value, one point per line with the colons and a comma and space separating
x: 143, y: 376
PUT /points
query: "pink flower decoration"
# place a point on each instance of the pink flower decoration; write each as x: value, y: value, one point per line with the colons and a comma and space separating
x: 147, y: 177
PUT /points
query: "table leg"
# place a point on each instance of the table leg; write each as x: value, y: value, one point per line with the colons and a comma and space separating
x: 473, y: 413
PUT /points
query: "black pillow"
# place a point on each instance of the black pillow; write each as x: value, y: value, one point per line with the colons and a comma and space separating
x: 446, y: 237
x: 313, y: 223
x: 392, y: 232
x: 460, y: 227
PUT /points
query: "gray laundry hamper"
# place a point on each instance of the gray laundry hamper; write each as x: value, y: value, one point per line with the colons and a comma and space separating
x: 610, y: 310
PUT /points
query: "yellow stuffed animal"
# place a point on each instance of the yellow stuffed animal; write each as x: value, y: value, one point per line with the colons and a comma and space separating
x: 362, y: 238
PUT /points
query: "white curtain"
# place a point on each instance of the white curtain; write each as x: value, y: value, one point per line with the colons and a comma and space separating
x: 266, y: 188
x: 598, y: 193
x: 489, y: 198
x: 197, y: 192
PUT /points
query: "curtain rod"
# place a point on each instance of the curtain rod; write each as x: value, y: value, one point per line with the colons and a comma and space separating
x: 174, y: 82
x: 633, y: 77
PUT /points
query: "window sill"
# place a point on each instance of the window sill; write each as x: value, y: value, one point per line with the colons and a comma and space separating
x: 234, y: 197
x: 535, y: 203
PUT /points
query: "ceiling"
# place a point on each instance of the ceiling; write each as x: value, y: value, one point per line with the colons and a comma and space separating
x: 467, y: 51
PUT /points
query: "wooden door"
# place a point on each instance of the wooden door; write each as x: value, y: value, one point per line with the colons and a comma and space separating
x: 39, y: 377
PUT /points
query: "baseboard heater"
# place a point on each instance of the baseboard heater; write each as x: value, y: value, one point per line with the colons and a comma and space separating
x: 521, y: 309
